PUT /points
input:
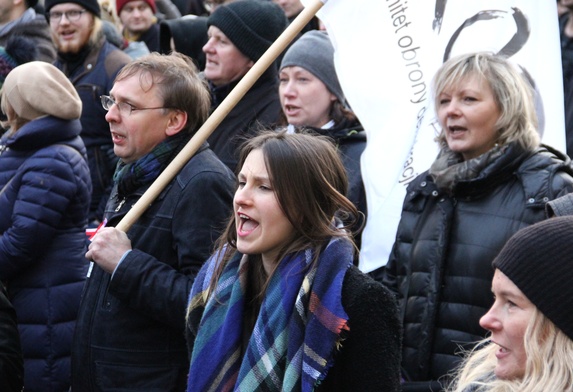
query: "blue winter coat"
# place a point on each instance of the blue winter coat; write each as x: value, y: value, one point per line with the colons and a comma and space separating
x: 45, y: 185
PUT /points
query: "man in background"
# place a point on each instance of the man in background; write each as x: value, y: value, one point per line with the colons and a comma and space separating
x: 91, y: 63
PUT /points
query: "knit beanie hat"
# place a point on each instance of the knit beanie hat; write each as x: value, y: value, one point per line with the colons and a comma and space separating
x: 58, y: 95
x: 18, y: 50
x: 539, y: 261
x: 90, y: 5
x: 189, y: 34
x: 314, y: 52
x: 121, y: 3
x: 251, y: 25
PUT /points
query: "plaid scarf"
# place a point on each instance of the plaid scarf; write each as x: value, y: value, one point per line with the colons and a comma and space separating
x: 449, y: 168
x: 296, y: 333
x: 145, y: 170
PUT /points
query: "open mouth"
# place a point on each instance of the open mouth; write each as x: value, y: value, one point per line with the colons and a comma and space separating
x: 117, y: 138
x: 456, y: 129
x: 246, y: 225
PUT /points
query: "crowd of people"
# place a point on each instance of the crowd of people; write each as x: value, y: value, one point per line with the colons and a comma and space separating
x: 241, y: 274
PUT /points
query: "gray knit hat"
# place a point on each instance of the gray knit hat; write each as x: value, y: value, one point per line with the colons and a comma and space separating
x: 315, y: 53
x: 37, y: 89
x: 539, y: 261
x: 251, y: 25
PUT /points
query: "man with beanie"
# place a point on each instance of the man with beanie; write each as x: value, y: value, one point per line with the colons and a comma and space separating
x: 239, y: 34
x: 91, y: 63
x: 19, y: 18
x: 139, y: 22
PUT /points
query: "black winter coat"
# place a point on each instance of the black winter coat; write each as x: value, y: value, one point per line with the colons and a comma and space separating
x: 370, y: 353
x: 440, y: 265
x: 350, y: 139
x: 11, y: 361
x: 259, y: 107
x: 130, y: 331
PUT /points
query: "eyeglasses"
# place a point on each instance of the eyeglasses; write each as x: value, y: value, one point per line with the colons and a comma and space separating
x: 125, y: 108
x: 72, y: 15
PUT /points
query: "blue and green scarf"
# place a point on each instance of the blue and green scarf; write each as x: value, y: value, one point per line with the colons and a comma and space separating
x: 145, y: 170
x: 296, y: 334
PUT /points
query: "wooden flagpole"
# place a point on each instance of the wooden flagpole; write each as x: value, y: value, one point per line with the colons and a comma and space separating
x: 219, y: 114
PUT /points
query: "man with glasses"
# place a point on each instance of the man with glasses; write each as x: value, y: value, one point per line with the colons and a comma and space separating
x: 91, y: 64
x: 130, y: 328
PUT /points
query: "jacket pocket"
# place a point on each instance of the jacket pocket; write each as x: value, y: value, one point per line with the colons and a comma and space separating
x: 122, y: 377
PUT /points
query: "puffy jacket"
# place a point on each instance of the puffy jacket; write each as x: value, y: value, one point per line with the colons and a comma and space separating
x: 130, y: 333
x: 440, y: 265
x: 42, y: 242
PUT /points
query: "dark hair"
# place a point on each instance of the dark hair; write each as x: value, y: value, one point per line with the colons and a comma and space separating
x: 178, y: 82
x: 309, y: 181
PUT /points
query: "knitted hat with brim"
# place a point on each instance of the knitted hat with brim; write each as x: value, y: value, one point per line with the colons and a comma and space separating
x: 539, y: 261
x: 90, y: 5
x: 251, y: 25
x: 38, y: 89
x: 189, y: 34
x: 315, y: 53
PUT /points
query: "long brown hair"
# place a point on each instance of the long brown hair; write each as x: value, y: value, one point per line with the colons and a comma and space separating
x: 309, y: 181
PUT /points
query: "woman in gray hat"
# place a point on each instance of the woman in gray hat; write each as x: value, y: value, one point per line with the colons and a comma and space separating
x: 312, y: 98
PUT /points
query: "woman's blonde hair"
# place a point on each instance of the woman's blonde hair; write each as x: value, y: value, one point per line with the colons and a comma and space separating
x: 513, y: 95
x: 549, y: 363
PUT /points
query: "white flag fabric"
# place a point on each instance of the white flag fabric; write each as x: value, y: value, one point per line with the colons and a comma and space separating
x: 386, y: 53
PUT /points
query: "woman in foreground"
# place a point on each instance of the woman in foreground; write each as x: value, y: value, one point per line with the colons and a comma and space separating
x: 279, y: 305
x: 530, y: 347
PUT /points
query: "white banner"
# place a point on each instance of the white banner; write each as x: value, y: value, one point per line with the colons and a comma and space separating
x: 387, y: 52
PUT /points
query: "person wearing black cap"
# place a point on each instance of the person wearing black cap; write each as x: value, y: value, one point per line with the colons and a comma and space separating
x: 186, y: 35
x: 239, y: 34
x: 19, y: 18
x: 91, y: 63
x: 530, y: 347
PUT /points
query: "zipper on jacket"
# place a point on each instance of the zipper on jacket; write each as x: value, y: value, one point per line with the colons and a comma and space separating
x: 121, y: 203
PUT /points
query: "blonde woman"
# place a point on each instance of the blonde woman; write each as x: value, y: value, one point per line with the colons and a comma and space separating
x: 491, y: 178
x: 530, y: 348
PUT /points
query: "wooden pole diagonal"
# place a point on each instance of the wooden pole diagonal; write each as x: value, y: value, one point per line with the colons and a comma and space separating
x: 218, y: 115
